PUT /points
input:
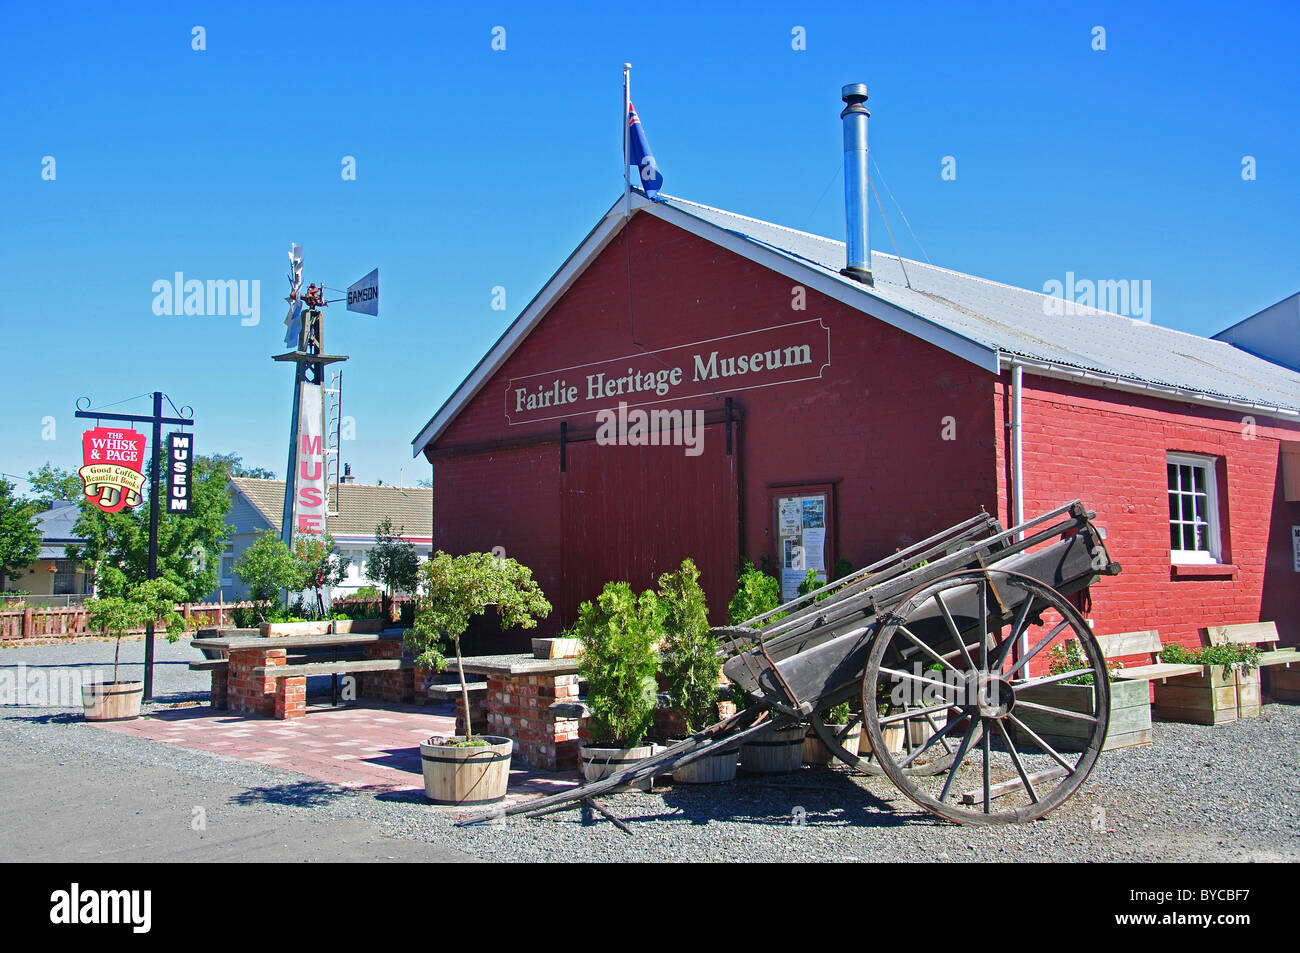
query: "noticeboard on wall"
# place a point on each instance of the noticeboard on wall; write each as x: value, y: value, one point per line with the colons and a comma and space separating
x: 803, y: 522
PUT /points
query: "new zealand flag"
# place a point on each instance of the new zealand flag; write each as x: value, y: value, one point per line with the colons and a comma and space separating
x: 639, y: 155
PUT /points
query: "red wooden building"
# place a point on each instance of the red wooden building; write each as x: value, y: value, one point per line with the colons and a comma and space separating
x: 843, y: 419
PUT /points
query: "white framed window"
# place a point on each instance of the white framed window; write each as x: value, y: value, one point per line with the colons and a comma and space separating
x: 1193, y: 509
x: 228, y: 565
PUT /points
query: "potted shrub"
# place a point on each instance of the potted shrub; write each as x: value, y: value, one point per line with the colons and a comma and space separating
x: 152, y: 600
x: 452, y: 590
x: 690, y: 666
x: 618, y: 662
x: 1225, y: 690
x: 895, y: 732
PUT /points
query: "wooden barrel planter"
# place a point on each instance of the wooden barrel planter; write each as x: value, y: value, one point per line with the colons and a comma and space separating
x: 814, y: 752
x: 711, y: 769
x: 112, y: 701
x: 600, y: 763
x: 774, y: 750
x: 894, y: 735
x: 455, y: 775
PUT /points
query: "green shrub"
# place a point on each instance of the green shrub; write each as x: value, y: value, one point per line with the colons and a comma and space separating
x: 1068, y: 656
x: 618, y: 661
x: 756, y: 593
x: 688, y: 656
x: 1246, y: 656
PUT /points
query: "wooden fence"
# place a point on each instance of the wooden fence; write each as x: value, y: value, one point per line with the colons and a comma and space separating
x: 36, y: 623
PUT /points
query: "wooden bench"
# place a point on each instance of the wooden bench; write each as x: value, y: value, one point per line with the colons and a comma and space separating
x: 210, y: 665
x: 1281, y: 685
x: 450, y: 691
x: 1144, y: 642
x: 309, y: 669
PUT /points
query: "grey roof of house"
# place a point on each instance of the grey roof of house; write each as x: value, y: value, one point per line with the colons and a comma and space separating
x: 361, y: 506
x: 1018, y: 322
x: 56, y: 528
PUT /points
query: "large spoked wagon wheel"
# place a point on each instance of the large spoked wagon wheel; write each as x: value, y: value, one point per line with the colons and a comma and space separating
x: 1015, y: 678
x: 906, y: 737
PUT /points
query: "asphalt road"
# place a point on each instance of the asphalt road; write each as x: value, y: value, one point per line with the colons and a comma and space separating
x: 58, y: 808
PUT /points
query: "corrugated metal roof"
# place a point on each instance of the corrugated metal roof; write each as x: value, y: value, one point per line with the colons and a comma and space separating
x: 1020, y: 322
x: 362, y: 507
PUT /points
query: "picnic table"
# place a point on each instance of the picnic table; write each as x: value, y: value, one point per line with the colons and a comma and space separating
x: 521, y: 692
x: 257, y: 677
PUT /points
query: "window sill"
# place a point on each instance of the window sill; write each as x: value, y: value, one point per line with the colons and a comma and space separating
x: 1202, y: 571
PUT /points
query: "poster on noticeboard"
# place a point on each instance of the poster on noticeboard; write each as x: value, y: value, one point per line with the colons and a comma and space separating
x: 801, y: 540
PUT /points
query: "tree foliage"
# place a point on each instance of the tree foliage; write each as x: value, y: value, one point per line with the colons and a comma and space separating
x: 452, y: 590
x: 53, y: 484
x: 688, y: 656
x: 267, y: 567
x: 153, y: 600
x: 756, y: 593
x: 323, y: 567
x: 20, y: 535
x: 619, y: 632
x: 392, y: 562
x: 189, y: 546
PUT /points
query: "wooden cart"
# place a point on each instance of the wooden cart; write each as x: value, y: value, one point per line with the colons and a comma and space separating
x: 938, y: 649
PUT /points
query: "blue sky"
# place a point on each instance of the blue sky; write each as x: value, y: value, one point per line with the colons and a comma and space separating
x: 477, y: 168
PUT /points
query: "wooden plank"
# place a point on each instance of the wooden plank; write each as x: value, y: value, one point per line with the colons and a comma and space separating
x: 1128, y: 739
x: 333, y: 668
x: 1279, y: 657
x: 1006, y: 787
x: 209, y: 665
x: 1145, y: 641
x: 453, y: 691
x: 1159, y: 670
x: 1247, y: 633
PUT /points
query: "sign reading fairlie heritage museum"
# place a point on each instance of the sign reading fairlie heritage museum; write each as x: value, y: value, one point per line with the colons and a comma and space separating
x: 763, y: 358
x: 112, y: 475
x: 180, y: 466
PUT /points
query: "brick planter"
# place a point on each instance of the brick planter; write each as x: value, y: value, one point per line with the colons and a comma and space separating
x: 1208, y: 697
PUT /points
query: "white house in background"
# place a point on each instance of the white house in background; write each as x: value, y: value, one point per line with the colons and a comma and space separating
x: 257, y: 505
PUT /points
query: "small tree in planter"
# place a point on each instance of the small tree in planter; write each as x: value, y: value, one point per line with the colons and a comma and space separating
x: 323, y: 568
x: 451, y: 591
x: 618, y: 661
x: 267, y: 567
x: 152, y: 600
x: 393, y: 563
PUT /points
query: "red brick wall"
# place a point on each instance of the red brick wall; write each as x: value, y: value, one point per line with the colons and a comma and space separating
x: 1108, y: 449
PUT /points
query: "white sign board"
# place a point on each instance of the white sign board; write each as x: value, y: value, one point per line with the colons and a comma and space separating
x: 363, y: 295
x: 309, y: 487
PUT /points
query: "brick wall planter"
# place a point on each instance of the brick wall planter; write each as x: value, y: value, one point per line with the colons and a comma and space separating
x: 1209, y: 697
x: 1130, y: 715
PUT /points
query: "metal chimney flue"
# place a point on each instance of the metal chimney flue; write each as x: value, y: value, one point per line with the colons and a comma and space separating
x: 857, y: 246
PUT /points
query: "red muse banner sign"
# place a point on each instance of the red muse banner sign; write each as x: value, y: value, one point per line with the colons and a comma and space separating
x: 763, y: 358
x: 112, y: 476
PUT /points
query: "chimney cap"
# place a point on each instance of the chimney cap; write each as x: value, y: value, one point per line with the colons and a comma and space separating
x: 854, y: 93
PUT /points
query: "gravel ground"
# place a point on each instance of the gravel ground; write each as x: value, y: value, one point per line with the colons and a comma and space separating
x: 1230, y: 793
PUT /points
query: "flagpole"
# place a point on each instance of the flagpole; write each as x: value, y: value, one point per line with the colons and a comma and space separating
x: 627, y: 131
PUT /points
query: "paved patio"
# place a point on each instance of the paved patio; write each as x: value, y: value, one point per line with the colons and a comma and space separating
x: 372, y: 747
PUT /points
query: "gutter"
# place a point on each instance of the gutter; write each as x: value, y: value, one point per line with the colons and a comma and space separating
x: 1129, y: 385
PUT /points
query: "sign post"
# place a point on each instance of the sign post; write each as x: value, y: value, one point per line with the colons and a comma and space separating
x: 113, y: 463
